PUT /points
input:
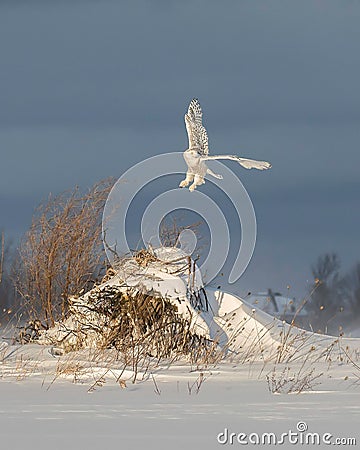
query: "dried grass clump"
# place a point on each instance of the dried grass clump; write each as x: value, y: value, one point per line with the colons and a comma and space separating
x: 132, y: 321
x: 62, y: 252
x: 292, y: 382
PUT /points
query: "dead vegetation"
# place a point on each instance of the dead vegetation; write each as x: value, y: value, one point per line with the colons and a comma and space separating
x: 62, y: 252
x: 133, y: 323
x: 288, y: 381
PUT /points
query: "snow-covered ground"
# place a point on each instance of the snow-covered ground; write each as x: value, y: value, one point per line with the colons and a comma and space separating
x: 135, y: 417
x: 69, y: 401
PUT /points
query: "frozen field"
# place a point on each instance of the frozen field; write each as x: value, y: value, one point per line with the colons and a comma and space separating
x: 67, y: 416
x: 46, y: 403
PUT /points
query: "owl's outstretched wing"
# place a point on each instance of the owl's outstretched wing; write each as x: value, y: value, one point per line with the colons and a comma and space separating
x: 247, y: 163
x: 198, y: 138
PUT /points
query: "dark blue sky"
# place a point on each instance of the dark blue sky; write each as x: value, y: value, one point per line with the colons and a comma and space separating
x: 89, y: 88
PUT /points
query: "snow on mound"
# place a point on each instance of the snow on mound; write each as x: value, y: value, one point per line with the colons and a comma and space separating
x: 144, y: 279
x: 235, y: 326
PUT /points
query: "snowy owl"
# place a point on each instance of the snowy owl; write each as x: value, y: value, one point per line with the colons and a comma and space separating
x: 198, y: 152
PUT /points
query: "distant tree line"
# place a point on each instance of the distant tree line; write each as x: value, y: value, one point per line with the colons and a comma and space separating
x: 7, y: 288
x: 334, y: 305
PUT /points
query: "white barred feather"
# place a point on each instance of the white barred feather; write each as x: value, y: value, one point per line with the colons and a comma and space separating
x: 198, y: 152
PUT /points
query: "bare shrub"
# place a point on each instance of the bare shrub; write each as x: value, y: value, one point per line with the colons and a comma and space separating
x: 171, y: 228
x: 62, y: 252
x: 287, y: 381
